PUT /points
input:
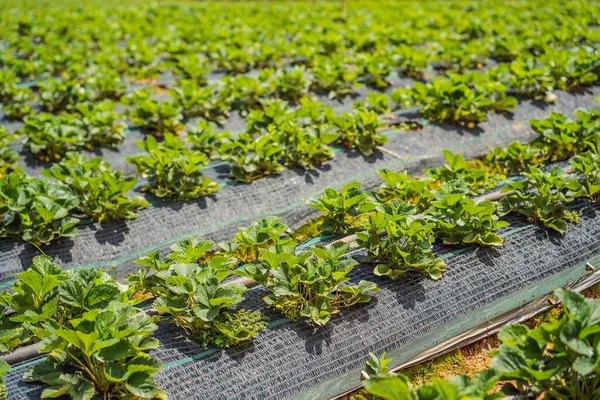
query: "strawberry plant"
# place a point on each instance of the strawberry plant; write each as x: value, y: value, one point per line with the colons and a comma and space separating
x: 334, y: 77
x: 405, y: 245
x: 377, y: 102
x: 251, y: 159
x: 459, y: 219
x: 193, y: 67
x: 172, y: 170
x: 374, y: 70
x: 101, y: 124
x: 588, y: 166
x: 198, y: 301
x: 512, y: 159
x: 259, y: 235
x: 359, y: 131
x: 62, y: 95
x: 205, y: 138
x: 398, y: 386
x: 313, y: 113
x: 464, y: 100
x: 410, y: 61
x: 35, y: 210
x: 342, y: 210
x: 154, y: 116
x: 306, y: 146
x: 8, y: 153
x: 291, y: 84
x: 50, y: 137
x: 8, y: 86
x: 560, y: 136
x: 542, y: 197
x: 103, y: 353
x: 401, y: 186
x: 557, y: 360
x: 248, y: 93
x: 33, y: 299
x: 4, y: 368
x: 527, y: 79
x: 571, y: 69
x: 272, y: 115
x: 44, y: 294
x: 105, y: 83
x: 102, y: 191
x: 200, y: 101
x: 196, y: 297
x: 17, y: 104
x: 477, y: 179
x: 311, y: 284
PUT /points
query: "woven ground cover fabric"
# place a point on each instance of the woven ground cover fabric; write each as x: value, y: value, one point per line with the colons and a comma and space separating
x: 217, y: 217
x: 409, y: 315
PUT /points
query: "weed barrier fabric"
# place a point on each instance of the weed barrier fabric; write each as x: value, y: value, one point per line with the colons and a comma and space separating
x: 115, y: 245
x: 408, y: 316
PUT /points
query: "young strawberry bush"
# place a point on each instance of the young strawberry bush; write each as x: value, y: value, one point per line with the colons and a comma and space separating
x: 391, y: 386
x: 17, y: 104
x: 527, y: 79
x: 459, y: 219
x: 588, y: 166
x: 272, y: 115
x: 377, y: 102
x: 193, y: 68
x: 306, y: 146
x: 310, y: 284
x: 153, y: 116
x: 195, y: 296
x: 8, y: 86
x: 35, y: 210
x: 248, y: 93
x: 102, y: 191
x: 401, y: 186
x: 291, y: 84
x: 559, y: 135
x: 200, y: 101
x: 342, y: 210
x: 464, y: 100
x: 542, y: 198
x: 410, y: 61
x: 8, y: 153
x: 334, y: 77
x: 261, y: 234
x: 477, y: 179
x: 102, y: 354
x: 251, y: 159
x: 571, y: 69
x: 101, y: 123
x: 557, y: 360
x: 374, y: 70
x: 405, y: 245
x: 46, y: 295
x: 58, y: 95
x: 359, y: 131
x: 173, y: 170
x: 313, y: 113
x: 50, y: 137
x: 105, y: 83
x: 205, y: 138
x: 512, y: 159
x: 4, y: 368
